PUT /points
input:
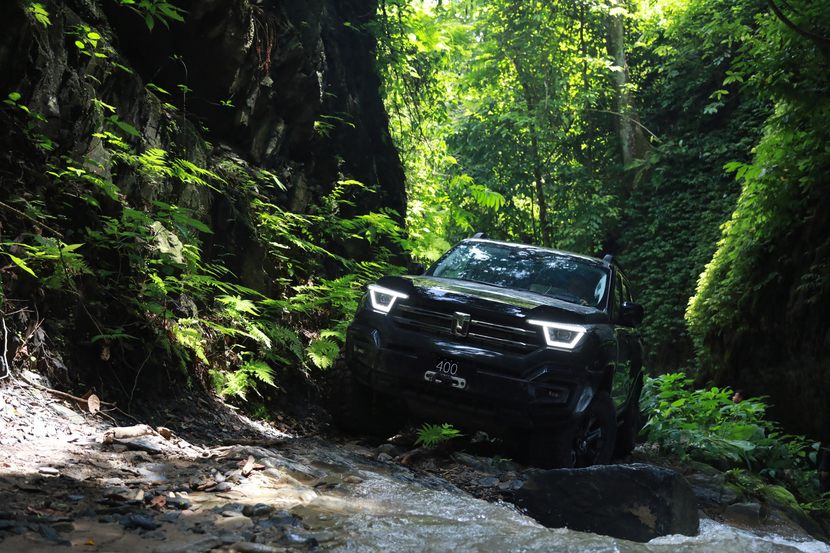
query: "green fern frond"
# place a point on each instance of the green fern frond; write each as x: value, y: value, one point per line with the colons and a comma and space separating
x: 237, y: 304
x: 261, y: 370
x: 322, y: 353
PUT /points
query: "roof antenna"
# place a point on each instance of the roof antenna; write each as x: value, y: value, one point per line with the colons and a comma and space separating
x: 608, y: 259
x: 482, y: 235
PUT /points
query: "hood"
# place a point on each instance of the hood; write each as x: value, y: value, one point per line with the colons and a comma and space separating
x: 465, y: 295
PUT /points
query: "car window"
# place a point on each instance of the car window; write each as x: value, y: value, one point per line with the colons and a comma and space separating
x: 545, y: 272
x: 618, y: 297
x: 626, y: 292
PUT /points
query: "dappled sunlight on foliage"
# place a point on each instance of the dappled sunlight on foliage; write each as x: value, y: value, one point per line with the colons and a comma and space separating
x: 706, y: 425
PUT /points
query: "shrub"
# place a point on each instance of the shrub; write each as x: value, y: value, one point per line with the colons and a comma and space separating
x: 706, y: 425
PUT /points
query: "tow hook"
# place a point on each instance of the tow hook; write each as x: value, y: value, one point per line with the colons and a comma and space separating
x: 445, y: 379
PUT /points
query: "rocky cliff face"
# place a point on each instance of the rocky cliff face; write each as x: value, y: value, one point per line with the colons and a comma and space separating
x: 107, y: 121
x: 778, y: 348
x: 286, y: 86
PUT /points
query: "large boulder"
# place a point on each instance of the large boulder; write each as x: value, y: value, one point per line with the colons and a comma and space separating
x: 633, y: 502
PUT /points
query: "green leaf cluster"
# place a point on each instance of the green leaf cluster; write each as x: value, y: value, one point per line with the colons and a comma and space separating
x: 434, y: 435
x: 706, y: 425
x: 782, y: 186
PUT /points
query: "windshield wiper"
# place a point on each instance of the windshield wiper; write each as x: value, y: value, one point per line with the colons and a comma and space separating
x: 482, y: 282
x: 570, y: 299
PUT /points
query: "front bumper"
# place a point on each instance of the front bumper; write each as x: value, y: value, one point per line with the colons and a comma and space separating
x: 489, y: 390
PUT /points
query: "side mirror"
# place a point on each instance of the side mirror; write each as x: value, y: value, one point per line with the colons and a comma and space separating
x: 631, y: 314
x: 416, y: 269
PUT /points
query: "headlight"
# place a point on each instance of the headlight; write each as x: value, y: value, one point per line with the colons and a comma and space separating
x: 383, y: 298
x: 560, y: 335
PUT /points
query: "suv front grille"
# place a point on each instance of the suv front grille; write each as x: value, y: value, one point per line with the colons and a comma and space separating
x: 481, y: 332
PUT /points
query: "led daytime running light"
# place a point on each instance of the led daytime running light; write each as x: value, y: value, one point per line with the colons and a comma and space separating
x: 376, y: 294
x: 552, y: 341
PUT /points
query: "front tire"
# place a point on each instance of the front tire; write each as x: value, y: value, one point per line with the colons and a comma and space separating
x: 589, y: 442
x: 631, y: 424
x: 595, y: 434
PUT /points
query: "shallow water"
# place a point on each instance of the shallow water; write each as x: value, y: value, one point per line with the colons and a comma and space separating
x: 386, y: 514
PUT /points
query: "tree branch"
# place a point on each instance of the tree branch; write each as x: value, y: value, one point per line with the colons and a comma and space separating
x: 822, y: 42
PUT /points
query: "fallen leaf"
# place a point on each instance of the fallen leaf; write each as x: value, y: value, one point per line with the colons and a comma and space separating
x: 46, y: 512
x: 158, y: 502
x: 93, y: 403
x: 90, y: 542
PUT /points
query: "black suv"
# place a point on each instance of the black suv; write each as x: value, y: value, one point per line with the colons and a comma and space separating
x: 513, y: 339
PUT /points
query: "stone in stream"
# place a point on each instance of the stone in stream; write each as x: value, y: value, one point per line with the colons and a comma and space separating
x: 258, y: 510
x: 633, y: 502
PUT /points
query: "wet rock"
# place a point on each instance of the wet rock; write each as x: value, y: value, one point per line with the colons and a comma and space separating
x: 49, y: 533
x: 633, y: 502
x: 153, y: 472
x: 488, y: 482
x: 745, y: 515
x: 64, y: 527
x: 204, y: 544
x: 180, y: 503
x: 709, y: 485
x: 472, y: 462
x: 258, y: 510
x: 389, y: 449
x: 282, y: 477
x: 141, y: 444
x: 233, y: 524
x: 301, y: 471
x: 222, y: 487
x: 280, y: 520
x: 138, y: 521
x: 230, y: 538
x: 299, y: 539
x: 783, y: 501
x: 511, y: 485
x: 247, y: 547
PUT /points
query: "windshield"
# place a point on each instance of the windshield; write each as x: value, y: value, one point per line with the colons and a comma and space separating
x: 544, y: 272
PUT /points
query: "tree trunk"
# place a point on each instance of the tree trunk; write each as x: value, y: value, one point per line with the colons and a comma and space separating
x: 530, y: 104
x: 634, y: 144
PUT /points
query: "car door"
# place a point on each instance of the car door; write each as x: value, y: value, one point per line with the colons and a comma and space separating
x: 627, y: 366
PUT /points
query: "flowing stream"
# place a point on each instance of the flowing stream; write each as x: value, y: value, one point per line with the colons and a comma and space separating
x: 394, y: 511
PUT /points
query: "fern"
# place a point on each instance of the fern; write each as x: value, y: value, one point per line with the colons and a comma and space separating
x: 189, y: 337
x: 237, y: 305
x: 432, y: 435
x: 322, y: 353
x: 261, y: 370
x: 240, y: 382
